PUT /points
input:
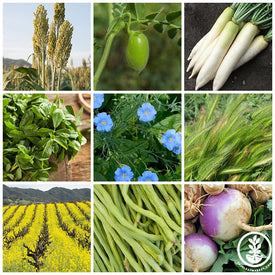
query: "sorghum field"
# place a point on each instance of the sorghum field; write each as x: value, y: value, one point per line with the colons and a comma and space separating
x: 47, y: 237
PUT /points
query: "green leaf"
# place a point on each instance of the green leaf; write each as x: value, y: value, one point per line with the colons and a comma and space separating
x: 179, y: 42
x: 140, y: 10
x: 218, y: 265
x: 43, y: 132
x: 57, y: 117
x: 158, y: 27
x: 69, y: 109
x: 152, y: 15
x: 48, y: 149
x: 172, y: 32
x: 61, y: 156
x: 62, y: 142
x: 173, y: 15
x: 26, y: 119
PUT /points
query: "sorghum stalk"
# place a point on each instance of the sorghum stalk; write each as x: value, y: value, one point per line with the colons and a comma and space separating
x: 51, y: 51
x: 63, y: 48
x: 59, y: 16
x: 40, y: 38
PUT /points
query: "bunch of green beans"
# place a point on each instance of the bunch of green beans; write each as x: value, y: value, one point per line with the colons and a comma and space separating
x: 137, y: 228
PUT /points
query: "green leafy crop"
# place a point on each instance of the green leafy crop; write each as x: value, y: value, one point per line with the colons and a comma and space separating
x: 34, y: 129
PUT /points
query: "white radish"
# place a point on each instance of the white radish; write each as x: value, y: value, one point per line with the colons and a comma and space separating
x: 189, y: 228
x: 236, y: 51
x: 216, y: 29
x: 196, y: 47
x: 225, y: 215
x: 211, y: 65
x: 257, y: 46
x: 203, y: 58
x: 213, y: 188
x: 200, y: 252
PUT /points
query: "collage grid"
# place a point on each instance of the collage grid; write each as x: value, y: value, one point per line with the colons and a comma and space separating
x: 130, y: 142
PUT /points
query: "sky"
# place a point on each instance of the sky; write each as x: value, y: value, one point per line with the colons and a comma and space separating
x: 18, y: 29
x: 48, y: 185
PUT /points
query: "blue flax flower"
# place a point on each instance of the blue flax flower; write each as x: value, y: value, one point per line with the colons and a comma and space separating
x: 124, y: 174
x: 177, y: 148
x: 103, y: 122
x: 148, y: 176
x: 98, y: 100
x: 172, y: 141
x: 146, y: 112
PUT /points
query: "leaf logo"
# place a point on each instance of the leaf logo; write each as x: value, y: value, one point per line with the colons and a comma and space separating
x: 254, y: 257
x: 254, y: 250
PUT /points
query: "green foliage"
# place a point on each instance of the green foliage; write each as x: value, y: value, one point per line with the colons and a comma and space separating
x: 163, y: 71
x: 230, y: 139
x: 33, y: 130
x: 135, y: 143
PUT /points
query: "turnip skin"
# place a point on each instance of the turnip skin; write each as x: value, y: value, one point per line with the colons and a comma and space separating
x: 200, y: 252
x: 223, y: 215
x: 189, y: 228
x: 213, y: 188
x: 262, y: 193
x: 194, y: 196
x: 244, y: 188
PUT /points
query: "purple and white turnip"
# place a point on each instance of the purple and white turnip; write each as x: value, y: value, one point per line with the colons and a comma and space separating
x: 225, y: 215
x: 200, y: 252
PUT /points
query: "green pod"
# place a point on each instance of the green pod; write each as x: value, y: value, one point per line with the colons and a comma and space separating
x: 137, y: 52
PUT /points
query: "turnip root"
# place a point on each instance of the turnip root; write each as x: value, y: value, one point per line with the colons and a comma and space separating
x: 262, y: 193
x: 193, y: 198
x: 200, y: 252
x: 225, y: 215
x: 213, y: 188
x: 244, y: 188
x: 189, y: 228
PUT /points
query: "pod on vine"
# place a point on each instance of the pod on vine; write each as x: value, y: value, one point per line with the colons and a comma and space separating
x: 137, y: 51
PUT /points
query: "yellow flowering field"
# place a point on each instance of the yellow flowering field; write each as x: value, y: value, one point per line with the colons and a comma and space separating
x: 53, y: 237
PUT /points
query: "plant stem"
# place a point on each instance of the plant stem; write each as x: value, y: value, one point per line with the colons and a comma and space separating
x: 43, y: 69
x: 110, y: 13
x: 53, y: 77
x: 104, y: 58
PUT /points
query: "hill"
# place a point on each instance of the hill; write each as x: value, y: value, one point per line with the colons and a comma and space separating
x: 15, y: 195
x: 16, y: 63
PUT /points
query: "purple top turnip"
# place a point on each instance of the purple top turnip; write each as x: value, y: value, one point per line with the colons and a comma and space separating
x: 225, y: 215
x: 200, y: 252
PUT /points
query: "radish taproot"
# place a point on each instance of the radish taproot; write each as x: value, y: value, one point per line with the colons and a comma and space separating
x: 200, y: 252
x: 226, y: 37
x: 189, y: 228
x: 261, y: 19
x: 215, y: 31
x: 257, y: 46
x: 196, y: 47
x: 225, y: 215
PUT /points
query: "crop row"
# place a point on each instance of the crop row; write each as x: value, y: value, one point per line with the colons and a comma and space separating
x: 38, y: 243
